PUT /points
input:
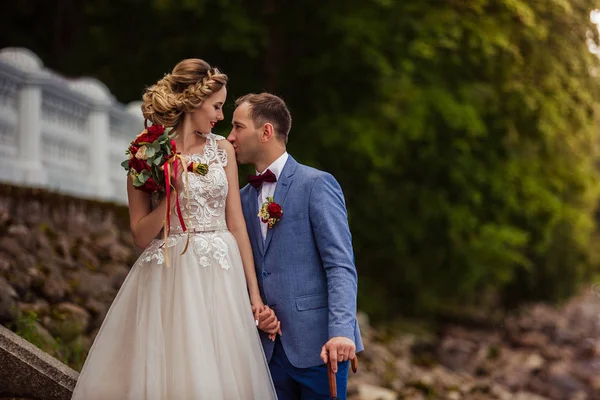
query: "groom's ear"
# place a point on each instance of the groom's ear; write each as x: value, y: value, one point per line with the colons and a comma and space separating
x: 267, y: 133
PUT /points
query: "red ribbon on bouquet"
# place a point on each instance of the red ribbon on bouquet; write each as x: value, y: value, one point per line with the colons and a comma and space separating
x: 175, y: 160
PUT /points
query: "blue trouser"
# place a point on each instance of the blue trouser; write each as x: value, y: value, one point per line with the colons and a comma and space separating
x: 293, y: 383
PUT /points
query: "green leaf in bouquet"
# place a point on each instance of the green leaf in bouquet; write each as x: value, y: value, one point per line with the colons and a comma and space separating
x: 125, y: 165
x: 150, y: 151
x: 157, y: 174
x: 143, y: 176
x: 157, y: 161
x: 137, y: 182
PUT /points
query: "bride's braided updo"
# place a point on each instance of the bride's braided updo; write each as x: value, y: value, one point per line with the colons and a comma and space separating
x: 190, y: 83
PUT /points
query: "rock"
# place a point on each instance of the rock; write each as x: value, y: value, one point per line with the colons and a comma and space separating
x: 11, y: 246
x: 86, y: 257
x: 532, y: 339
x: 36, y: 277
x: 67, y: 321
x: 402, y: 368
x: 98, y: 310
x: 18, y: 275
x: 453, y: 395
x: 39, y: 308
x: 534, y: 362
x: 528, y: 396
x: 4, y: 265
x: 552, y: 352
x: 105, y: 239
x: 455, y: 353
x: 370, y: 392
x: 581, y: 395
x: 127, y: 239
x: 55, y: 288
x: 412, y: 394
x: 43, y: 242
x: 400, y: 346
x: 561, y: 384
x: 595, y: 383
x: 88, y: 284
x: 500, y: 392
x: 120, y: 253
x: 9, y: 308
x: 64, y: 247
x: 18, y: 230
x: 117, y: 274
x: 23, y: 235
x: 365, y: 325
x: 39, y: 336
x: 378, y: 357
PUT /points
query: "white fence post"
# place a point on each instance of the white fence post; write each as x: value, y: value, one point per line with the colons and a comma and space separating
x: 99, y: 138
x: 29, y: 104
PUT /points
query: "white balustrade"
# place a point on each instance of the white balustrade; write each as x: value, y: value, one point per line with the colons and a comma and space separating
x: 62, y: 134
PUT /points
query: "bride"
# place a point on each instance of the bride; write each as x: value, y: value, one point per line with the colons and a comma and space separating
x: 185, y: 330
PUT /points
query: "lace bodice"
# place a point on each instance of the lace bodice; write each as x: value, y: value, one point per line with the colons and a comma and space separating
x: 207, y: 192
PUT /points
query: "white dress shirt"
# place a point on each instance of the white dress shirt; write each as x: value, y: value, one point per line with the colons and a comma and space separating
x: 268, y: 188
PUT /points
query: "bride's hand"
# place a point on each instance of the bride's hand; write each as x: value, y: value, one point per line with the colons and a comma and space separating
x: 267, y: 320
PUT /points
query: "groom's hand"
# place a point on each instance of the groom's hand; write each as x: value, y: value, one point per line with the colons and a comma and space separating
x: 338, y: 349
x: 267, y: 321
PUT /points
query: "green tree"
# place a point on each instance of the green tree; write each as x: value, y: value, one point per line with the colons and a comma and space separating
x: 463, y: 133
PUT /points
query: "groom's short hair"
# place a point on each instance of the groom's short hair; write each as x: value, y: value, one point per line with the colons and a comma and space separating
x: 266, y: 107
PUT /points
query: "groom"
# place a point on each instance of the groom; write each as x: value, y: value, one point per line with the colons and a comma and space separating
x: 304, y: 259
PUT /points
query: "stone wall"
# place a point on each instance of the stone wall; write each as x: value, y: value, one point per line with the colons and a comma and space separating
x: 62, y: 261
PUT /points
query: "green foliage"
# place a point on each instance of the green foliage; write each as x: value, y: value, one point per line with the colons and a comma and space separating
x: 72, y: 353
x: 463, y: 133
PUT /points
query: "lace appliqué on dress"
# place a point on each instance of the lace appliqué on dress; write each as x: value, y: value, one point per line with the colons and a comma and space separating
x: 207, y: 246
x: 155, y: 250
x: 211, y: 245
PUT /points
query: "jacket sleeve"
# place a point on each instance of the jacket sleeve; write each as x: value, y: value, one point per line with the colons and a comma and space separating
x: 329, y: 220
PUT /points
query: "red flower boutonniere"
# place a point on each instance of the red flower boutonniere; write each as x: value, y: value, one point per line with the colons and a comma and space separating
x: 270, y: 212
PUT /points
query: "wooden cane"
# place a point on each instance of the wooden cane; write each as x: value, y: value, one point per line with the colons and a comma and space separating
x: 331, y: 376
x: 332, y: 382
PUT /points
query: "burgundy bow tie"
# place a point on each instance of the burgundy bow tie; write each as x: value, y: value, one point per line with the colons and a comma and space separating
x: 257, y: 180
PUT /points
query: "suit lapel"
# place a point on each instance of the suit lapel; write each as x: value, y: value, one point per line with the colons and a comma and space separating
x: 281, y: 191
x: 252, y: 204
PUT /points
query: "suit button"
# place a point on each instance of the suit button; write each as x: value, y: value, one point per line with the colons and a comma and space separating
x: 264, y: 274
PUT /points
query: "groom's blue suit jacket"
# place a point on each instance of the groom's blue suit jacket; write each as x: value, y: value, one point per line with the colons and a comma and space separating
x: 305, y: 267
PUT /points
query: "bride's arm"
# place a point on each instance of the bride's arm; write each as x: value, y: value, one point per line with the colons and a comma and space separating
x: 144, y: 221
x: 237, y: 225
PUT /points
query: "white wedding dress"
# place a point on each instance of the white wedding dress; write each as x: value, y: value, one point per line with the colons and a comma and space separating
x: 185, y: 331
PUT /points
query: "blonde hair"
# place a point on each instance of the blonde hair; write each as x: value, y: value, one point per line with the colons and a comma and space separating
x: 185, y: 89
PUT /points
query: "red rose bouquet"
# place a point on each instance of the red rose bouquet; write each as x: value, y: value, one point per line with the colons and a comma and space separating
x: 148, y: 154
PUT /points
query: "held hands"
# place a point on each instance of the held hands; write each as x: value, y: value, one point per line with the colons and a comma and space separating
x: 267, y: 320
x: 338, y: 349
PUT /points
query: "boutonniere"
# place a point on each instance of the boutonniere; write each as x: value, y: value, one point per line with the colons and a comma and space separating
x: 198, y: 168
x: 270, y: 212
